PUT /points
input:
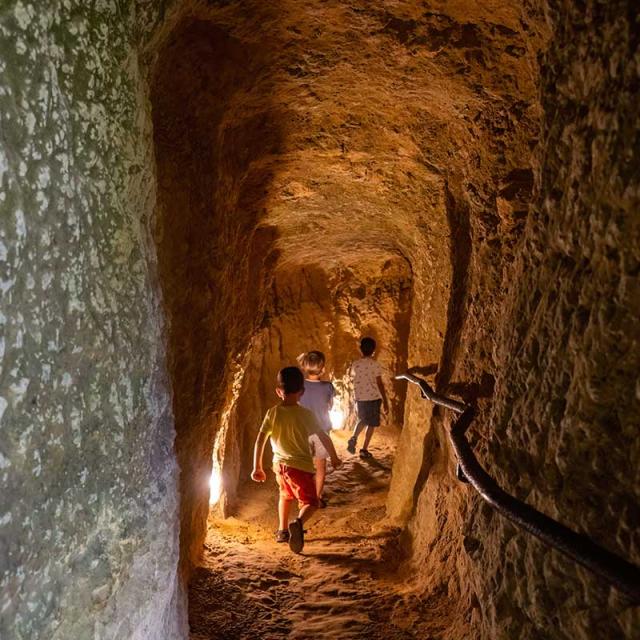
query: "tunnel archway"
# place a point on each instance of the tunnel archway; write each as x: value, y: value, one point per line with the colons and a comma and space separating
x: 266, y: 231
x: 261, y: 234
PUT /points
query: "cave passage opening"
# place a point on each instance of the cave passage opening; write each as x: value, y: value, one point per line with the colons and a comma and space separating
x: 270, y: 243
x: 268, y: 248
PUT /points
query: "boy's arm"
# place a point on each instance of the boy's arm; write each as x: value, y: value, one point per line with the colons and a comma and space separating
x: 383, y: 393
x: 258, y: 473
x: 328, y: 445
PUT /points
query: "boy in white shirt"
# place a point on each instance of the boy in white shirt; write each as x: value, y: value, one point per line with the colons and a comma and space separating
x: 370, y: 393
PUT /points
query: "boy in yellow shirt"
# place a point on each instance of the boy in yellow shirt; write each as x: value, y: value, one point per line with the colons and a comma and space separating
x: 289, y: 426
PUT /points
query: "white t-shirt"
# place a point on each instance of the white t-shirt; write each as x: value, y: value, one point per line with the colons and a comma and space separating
x: 364, y: 373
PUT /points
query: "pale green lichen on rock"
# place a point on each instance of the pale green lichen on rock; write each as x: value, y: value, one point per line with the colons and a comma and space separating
x: 85, y: 422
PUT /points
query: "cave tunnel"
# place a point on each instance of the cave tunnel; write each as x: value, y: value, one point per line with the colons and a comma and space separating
x: 195, y: 192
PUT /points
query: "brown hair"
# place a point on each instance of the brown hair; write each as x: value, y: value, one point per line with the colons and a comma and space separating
x: 290, y: 380
x: 312, y: 362
x: 367, y: 346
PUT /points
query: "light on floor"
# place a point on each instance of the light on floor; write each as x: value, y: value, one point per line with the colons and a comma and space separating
x: 215, y: 486
x: 336, y: 416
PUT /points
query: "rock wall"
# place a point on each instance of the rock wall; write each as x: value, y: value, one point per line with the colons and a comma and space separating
x: 88, y: 511
x: 565, y: 413
x: 356, y: 149
x: 215, y: 133
x: 548, y: 350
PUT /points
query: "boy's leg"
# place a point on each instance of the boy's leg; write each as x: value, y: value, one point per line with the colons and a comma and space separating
x: 285, y: 498
x: 303, y: 485
x: 321, y: 473
x: 373, y: 422
x: 353, y: 440
x: 360, y: 425
x: 367, y: 437
x: 305, y: 492
x: 306, y: 511
x: 284, y: 507
x: 296, y: 528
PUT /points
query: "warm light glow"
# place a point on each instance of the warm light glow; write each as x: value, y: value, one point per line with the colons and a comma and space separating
x: 215, y: 486
x: 336, y: 416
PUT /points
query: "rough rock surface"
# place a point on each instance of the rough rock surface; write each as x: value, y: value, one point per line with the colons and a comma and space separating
x: 562, y: 345
x: 324, y: 168
x: 325, y: 139
x: 553, y: 331
x: 88, y: 508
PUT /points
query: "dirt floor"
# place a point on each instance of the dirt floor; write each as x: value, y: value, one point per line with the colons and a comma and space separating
x: 343, y: 586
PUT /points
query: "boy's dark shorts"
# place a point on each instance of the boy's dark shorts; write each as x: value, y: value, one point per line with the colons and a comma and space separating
x: 369, y: 412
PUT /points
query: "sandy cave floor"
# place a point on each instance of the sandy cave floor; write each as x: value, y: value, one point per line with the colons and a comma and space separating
x: 344, y: 585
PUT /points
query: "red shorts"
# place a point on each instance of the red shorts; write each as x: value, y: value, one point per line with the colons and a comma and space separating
x: 296, y: 484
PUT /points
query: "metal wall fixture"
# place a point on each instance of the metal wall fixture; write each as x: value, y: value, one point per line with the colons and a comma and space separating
x: 617, y: 571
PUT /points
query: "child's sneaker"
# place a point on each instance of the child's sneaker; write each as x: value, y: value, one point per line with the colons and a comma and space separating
x: 282, y: 535
x: 365, y: 454
x: 351, y: 445
x: 296, y: 536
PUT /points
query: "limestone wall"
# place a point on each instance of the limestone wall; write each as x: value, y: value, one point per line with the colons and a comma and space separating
x: 88, y: 507
x: 552, y: 326
x: 216, y: 132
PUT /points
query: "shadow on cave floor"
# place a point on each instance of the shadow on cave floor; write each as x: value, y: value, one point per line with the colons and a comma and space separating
x: 343, y: 586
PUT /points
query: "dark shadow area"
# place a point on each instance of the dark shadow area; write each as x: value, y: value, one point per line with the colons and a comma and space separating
x: 376, y: 464
x: 471, y: 392
x: 213, y: 262
x: 345, y: 560
x: 460, y: 229
x: 218, y: 603
x: 386, y: 535
x: 426, y: 370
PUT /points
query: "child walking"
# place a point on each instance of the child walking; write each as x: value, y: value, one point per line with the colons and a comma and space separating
x: 289, y: 425
x: 370, y: 394
x: 318, y: 398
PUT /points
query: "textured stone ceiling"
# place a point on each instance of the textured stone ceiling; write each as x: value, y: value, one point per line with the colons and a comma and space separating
x: 367, y: 109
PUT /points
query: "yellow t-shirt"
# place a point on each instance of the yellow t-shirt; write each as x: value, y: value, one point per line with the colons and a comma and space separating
x: 290, y: 427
